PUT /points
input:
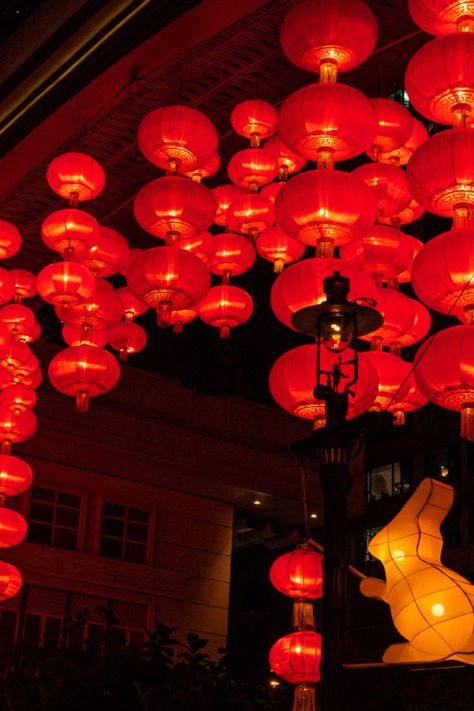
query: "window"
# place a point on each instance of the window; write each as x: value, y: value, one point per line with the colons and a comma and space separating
x: 42, y: 630
x: 369, y: 533
x: 8, y: 623
x: 124, y: 533
x: 54, y: 518
x: 385, y: 481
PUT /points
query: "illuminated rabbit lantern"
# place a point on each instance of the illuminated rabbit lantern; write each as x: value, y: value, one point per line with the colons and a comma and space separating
x: 431, y: 606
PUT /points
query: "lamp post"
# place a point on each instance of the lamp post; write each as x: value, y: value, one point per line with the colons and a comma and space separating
x: 335, y: 323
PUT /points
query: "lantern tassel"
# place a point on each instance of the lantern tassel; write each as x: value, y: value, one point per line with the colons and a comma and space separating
x: 303, y: 615
x: 224, y: 331
x: 82, y: 401
x: 325, y: 247
x: 398, y: 418
x: 178, y: 328
x: 304, y: 698
x: 467, y: 422
x: 278, y: 266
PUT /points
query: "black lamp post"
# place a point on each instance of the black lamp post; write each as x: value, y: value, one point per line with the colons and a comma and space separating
x: 335, y: 323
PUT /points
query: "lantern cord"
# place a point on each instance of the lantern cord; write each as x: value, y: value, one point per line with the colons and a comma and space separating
x: 429, y: 343
x: 350, y: 568
x: 304, y: 493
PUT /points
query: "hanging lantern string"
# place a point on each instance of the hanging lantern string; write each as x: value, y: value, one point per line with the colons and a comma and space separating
x: 304, y: 491
x: 428, y: 344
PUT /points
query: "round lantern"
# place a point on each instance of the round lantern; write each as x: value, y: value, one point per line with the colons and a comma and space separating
x: 174, y: 208
x: 108, y: 255
x: 225, y: 194
x: 292, y: 381
x: 440, y: 177
x: 15, y: 428
x: 65, y: 283
x: 70, y: 231
x: 383, y: 252
x: 202, y: 245
x: 12, y: 377
x: 255, y: 119
x: 24, y: 283
x: 18, y: 398
x: 20, y: 323
x: 329, y: 37
x: 277, y: 247
x: 225, y: 307
x: 84, y: 336
x: 10, y: 239
x: 394, y: 126
x: 100, y: 311
x: 405, y: 321
x: 388, y: 185
x: 410, y: 399
x: 17, y: 358
x: 7, y: 287
x: 401, y: 156
x: 442, y: 17
x: 233, y: 255
x: 15, y: 475
x: 177, y: 138
x: 444, y: 371
x: 168, y: 279
x: 10, y: 581
x: 287, y: 160
x: 252, y: 168
x: 83, y: 372
x: 13, y: 528
x: 75, y: 176
x: 442, y: 273
x: 271, y: 190
x: 127, y: 338
x: 302, y: 285
x: 393, y: 378
x: 132, y: 305
x: 297, y: 657
x: 325, y: 208
x: 131, y: 253
x: 210, y: 168
x: 250, y: 214
x: 327, y: 123
x: 415, y: 246
x: 179, y: 319
x: 299, y: 574
x: 409, y: 214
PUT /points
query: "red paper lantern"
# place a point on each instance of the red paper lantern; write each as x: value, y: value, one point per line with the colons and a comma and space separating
x: 401, y: 156
x: 17, y: 358
x: 15, y: 428
x: 18, y: 398
x: 299, y: 574
x: 393, y: 381
x: 415, y: 245
x: 287, y: 160
x: 327, y: 123
x: 177, y: 138
x: 409, y: 400
x: 13, y: 528
x: 15, y: 477
x: 252, y: 168
x: 210, y: 168
x: 271, y: 190
x: 202, y: 245
x: 297, y: 657
x: 131, y: 253
x: 70, y: 231
x: 440, y: 176
x: 250, y: 214
x: 409, y: 214
x: 442, y: 273
x: 277, y: 247
x: 12, y: 377
x: 100, y: 311
x: 84, y: 337
x: 444, y: 371
x: 20, y: 323
x: 10, y: 239
x: 233, y: 255
x: 174, y: 208
x: 225, y: 307
x: 168, y: 279
x: 225, y: 194
x: 65, y: 284
x: 293, y: 377
x: 108, y: 255
x: 325, y: 208
x: 75, y: 176
x: 83, y: 372
x: 329, y: 37
x: 394, y: 126
x: 24, y: 283
x: 10, y: 581
x: 132, y: 305
x: 255, y: 119
x: 442, y: 17
x: 7, y: 287
x: 302, y: 285
x: 388, y: 185
x: 127, y: 337
x: 405, y: 321
x: 383, y: 252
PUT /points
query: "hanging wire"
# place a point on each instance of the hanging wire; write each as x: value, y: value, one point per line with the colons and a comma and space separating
x: 304, y: 492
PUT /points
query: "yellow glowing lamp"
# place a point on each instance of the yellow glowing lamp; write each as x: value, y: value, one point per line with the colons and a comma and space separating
x: 431, y: 606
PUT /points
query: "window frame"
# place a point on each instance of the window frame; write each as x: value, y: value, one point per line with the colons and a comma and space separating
x: 81, y: 519
x: 151, y: 530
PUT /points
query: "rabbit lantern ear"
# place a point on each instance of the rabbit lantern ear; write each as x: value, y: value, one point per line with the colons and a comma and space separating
x: 431, y: 606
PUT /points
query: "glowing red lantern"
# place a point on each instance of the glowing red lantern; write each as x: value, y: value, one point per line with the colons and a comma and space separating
x: 225, y: 307
x: 252, y: 168
x: 174, y: 208
x: 401, y: 156
x: 17, y: 358
x: 18, y: 398
x: 302, y: 285
x: 168, y: 279
x: 84, y: 336
x: 409, y: 214
x: 127, y: 337
x: 410, y: 399
x: 177, y: 138
x: 202, y: 245
x: 271, y: 190
x: 24, y: 283
x: 10, y: 377
x: 233, y: 255
x: 293, y: 377
x: 10, y: 581
x: 255, y: 119
x: 287, y: 160
x: 20, y: 322
x: 179, y: 319
x: 70, y: 231
x: 225, y: 194
x: 325, y: 208
x: 108, y: 255
x: 444, y: 371
x: 329, y: 37
x: 250, y: 214
x: 415, y: 245
x: 297, y: 657
x: 327, y: 123
x: 65, y: 283
x: 405, y: 321
x: 132, y: 305
x: 75, y: 176
x: 13, y: 528
x: 299, y: 574
x: 131, y: 253
x: 388, y: 185
x: 7, y: 287
x: 210, y: 168
x: 277, y: 247
x: 100, y: 311
x: 83, y: 372
x: 15, y: 476
x: 393, y: 378
x: 15, y: 428
x: 442, y: 17
x: 394, y: 126
x: 10, y: 239
x: 383, y: 252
